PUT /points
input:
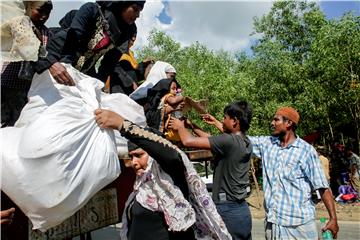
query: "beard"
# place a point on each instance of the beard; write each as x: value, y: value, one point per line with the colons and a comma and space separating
x: 279, y: 134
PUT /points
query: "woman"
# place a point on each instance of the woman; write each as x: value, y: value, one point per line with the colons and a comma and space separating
x: 25, y: 37
x: 163, y: 101
x: 169, y: 197
x: 158, y: 71
x: 100, y: 29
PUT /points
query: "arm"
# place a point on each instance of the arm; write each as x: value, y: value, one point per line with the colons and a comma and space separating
x: 209, y: 119
x: 163, y: 151
x: 65, y: 45
x: 187, y: 139
x: 327, y: 198
x: 173, y: 100
x: 196, y: 129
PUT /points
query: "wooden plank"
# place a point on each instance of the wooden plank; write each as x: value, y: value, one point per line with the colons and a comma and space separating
x: 199, y: 155
x: 100, y: 211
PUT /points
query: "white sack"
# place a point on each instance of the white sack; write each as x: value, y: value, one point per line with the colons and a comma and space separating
x: 57, y: 158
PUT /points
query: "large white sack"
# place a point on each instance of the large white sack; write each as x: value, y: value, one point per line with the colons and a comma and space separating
x: 57, y: 157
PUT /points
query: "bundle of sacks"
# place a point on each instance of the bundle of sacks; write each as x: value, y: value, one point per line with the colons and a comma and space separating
x: 56, y: 157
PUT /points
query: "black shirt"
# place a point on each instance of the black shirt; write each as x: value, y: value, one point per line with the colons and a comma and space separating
x: 232, y: 163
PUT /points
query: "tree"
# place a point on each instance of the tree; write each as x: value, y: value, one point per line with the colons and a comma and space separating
x: 335, y: 63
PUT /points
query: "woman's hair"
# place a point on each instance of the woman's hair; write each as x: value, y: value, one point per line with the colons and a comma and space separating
x: 242, y: 111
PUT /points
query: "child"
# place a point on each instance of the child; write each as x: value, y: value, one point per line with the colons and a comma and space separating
x: 164, y: 101
x: 25, y: 42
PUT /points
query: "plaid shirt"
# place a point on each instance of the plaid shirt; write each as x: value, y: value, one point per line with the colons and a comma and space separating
x: 290, y: 174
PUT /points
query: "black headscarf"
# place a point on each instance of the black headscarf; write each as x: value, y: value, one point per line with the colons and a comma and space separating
x: 118, y: 29
x: 154, y: 96
x: 65, y: 22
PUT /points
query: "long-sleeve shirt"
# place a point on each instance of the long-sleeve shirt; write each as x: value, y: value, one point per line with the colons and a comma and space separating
x: 144, y: 221
x: 78, y: 40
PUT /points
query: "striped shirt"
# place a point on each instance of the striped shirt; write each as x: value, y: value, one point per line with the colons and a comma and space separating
x: 290, y: 174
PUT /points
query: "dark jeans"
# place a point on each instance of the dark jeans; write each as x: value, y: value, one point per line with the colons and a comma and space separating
x: 237, y: 218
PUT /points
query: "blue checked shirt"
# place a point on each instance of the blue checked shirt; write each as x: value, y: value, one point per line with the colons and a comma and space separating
x: 290, y: 174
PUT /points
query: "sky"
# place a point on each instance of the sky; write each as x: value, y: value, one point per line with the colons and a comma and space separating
x: 225, y: 25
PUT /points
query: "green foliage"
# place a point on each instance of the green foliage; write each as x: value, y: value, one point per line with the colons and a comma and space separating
x: 300, y: 60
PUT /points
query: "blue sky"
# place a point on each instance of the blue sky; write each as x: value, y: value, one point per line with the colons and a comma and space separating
x: 335, y: 9
x: 223, y: 25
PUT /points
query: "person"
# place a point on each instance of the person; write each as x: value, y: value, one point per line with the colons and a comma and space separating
x: 99, y: 29
x: 324, y: 163
x: 128, y: 72
x: 169, y: 200
x: 291, y: 171
x: 232, y: 150
x: 354, y: 162
x: 16, y: 27
x: 160, y: 70
x: 163, y: 103
x: 16, y: 71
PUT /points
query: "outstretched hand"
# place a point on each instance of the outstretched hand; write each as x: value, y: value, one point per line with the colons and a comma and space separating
x: 61, y: 76
x: 176, y: 124
x: 209, y: 119
x: 108, y: 119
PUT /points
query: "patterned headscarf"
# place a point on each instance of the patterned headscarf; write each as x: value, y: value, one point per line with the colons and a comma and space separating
x: 199, y: 212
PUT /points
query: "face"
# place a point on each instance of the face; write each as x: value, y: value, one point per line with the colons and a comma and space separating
x: 228, y: 123
x: 39, y: 15
x: 139, y: 160
x: 131, y: 13
x: 279, y: 126
x: 173, y: 88
x: 170, y: 75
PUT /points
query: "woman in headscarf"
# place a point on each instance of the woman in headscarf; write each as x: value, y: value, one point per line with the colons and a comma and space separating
x: 100, y: 29
x: 158, y: 71
x: 169, y: 200
x: 163, y: 101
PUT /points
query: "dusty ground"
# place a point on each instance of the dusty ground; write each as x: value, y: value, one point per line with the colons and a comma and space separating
x: 345, y: 212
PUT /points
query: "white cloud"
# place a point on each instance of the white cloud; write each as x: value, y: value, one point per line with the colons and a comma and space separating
x: 216, y: 24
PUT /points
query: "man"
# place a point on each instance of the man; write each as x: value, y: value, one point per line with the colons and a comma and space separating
x: 291, y: 171
x: 354, y: 163
x: 324, y: 162
x: 232, y: 150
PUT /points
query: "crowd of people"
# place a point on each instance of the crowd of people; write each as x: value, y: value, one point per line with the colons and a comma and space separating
x: 169, y: 199
x: 342, y: 169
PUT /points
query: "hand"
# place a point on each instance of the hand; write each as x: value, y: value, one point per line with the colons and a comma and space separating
x: 181, y: 105
x: 108, y: 119
x: 187, y: 123
x: 176, y: 124
x: 59, y: 73
x: 333, y: 226
x: 7, y: 216
x: 209, y: 119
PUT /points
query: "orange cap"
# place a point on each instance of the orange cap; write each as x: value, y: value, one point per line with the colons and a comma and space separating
x: 290, y: 113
